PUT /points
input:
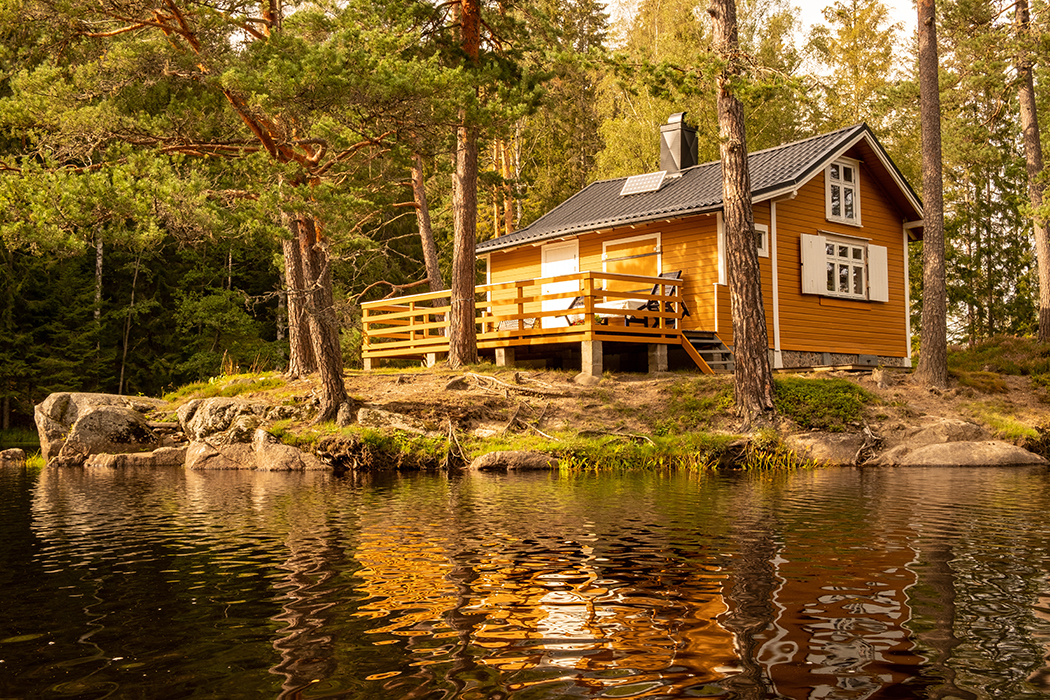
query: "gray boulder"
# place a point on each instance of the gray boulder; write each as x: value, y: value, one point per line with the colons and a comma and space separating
x: 840, y: 449
x: 379, y: 418
x: 220, y: 419
x: 15, y: 457
x: 160, y: 457
x: 56, y: 415
x: 202, y: 455
x: 938, y: 431
x: 971, y: 454
x: 514, y: 460
x: 106, y: 429
x: 272, y: 455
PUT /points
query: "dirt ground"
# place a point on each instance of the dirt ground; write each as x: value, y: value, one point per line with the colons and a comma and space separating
x: 486, y: 401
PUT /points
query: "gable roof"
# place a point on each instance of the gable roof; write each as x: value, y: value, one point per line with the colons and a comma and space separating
x: 774, y: 172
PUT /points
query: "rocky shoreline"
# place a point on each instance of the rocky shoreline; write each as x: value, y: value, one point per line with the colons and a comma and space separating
x: 104, y: 430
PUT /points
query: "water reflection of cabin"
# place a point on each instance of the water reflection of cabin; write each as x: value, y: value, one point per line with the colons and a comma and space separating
x: 593, y: 284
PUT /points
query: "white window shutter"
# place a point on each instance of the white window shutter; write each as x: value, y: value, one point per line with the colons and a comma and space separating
x: 878, y: 274
x: 814, y: 265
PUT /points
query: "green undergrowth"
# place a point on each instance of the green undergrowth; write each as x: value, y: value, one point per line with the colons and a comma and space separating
x: 1002, y: 354
x: 985, y: 382
x: 1001, y: 417
x: 19, y: 437
x: 227, y: 386
x: 35, y: 462
x: 693, y: 404
x: 822, y: 404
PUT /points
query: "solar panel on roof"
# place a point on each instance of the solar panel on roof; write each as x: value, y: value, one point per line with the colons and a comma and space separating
x: 636, y: 184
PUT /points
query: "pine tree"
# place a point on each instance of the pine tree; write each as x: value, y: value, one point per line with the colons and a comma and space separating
x: 752, y: 378
x: 933, y: 353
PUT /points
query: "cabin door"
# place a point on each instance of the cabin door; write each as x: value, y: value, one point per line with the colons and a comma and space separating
x: 559, y: 259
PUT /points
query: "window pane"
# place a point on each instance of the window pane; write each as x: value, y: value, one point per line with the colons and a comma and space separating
x: 858, y: 280
x: 844, y: 279
x: 847, y: 173
x: 858, y: 253
x: 843, y: 251
x: 831, y: 277
x: 848, y: 196
x: 829, y: 248
x: 836, y: 204
x: 835, y: 172
x: 760, y: 239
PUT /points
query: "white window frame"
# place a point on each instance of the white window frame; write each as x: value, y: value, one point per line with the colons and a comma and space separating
x: 762, y: 240
x: 828, y: 259
x: 842, y: 178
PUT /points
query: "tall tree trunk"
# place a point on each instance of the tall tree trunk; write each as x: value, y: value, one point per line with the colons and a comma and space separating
x: 127, y: 324
x: 301, y: 361
x: 753, y: 378
x: 324, y: 324
x: 1033, y: 151
x: 508, y: 191
x: 426, y: 232
x: 933, y: 351
x: 463, y: 341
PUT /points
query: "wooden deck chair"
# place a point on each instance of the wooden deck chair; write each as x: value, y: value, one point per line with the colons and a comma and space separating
x: 654, y: 305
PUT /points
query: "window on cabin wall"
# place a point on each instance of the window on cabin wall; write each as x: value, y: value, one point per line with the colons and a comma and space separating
x: 842, y: 191
x: 761, y: 247
x: 845, y: 267
x: 637, y: 255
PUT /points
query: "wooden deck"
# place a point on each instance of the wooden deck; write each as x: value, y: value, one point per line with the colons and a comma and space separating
x: 530, y: 316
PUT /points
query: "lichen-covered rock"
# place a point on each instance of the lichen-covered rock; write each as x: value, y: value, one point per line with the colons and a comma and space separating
x: 202, y: 455
x: 971, y: 454
x: 224, y: 419
x: 839, y: 449
x: 56, y: 414
x: 272, y: 455
x: 158, y: 458
x: 106, y: 429
x: 378, y: 418
x: 14, y: 457
x: 938, y: 431
x: 515, y: 460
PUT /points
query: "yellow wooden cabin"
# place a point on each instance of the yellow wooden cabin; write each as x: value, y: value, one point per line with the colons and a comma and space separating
x: 630, y: 273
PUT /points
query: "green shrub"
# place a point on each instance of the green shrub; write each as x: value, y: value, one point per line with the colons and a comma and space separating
x: 821, y: 404
x: 985, y: 382
x: 1004, y: 354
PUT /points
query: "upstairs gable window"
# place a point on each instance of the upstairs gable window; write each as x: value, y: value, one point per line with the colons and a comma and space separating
x: 842, y: 181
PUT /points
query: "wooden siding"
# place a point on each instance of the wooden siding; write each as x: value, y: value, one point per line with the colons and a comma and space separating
x: 812, y: 323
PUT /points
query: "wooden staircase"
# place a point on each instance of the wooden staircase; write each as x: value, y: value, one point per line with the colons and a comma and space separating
x: 715, y: 356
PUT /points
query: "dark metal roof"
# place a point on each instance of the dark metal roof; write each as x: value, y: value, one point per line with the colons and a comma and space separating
x: 698, y: 190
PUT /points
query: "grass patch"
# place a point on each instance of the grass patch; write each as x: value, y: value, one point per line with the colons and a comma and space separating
x: 226, y: 386
x: 822, y: 404
x: 35, y: 461
x: 984, y: 382
x: 698, y: 451
x: 1002, y: 418
x: 767, y: 452
x: 1004, y: 354
x: 693, y: 404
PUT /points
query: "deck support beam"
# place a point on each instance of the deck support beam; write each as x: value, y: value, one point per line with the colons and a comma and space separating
x: 432, y: 359
x: 505, y: 357
x: 371, y: 363
x: 591, y: 358
x: 657, y: 358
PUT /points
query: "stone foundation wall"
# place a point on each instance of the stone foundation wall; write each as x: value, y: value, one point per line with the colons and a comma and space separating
x: 796, y: 359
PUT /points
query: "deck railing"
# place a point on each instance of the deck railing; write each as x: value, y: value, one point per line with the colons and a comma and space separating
x: 567, y: 308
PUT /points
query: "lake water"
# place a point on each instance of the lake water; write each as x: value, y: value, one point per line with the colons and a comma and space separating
x: 833, y: 583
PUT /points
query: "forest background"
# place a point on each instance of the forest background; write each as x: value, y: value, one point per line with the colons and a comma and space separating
x: 143, y: 220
